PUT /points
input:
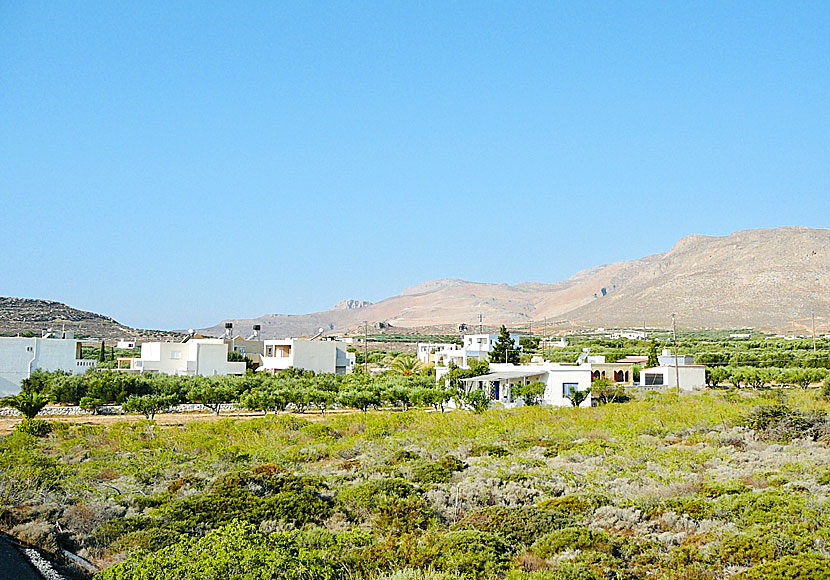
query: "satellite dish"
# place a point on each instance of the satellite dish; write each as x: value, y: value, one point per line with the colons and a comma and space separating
x: 321, y: 329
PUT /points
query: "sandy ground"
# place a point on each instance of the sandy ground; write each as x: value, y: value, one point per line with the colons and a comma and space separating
x: 7, y: 424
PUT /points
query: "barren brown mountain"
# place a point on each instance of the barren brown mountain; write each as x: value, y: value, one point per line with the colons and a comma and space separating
x: 765, y: 278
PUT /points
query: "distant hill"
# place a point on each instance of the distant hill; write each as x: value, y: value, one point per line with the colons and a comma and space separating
x: 764, y: 278
x: 21, y: 315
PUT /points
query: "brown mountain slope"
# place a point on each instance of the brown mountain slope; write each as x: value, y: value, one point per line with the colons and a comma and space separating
x: 753, y: 278
x: 21, y: 315
x: 762, y: 278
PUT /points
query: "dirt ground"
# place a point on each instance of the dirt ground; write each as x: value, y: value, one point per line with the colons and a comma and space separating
x: 7, y: 424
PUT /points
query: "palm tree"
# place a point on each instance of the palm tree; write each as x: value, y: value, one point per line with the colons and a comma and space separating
x: 406, y: 364
x: 29, y: 404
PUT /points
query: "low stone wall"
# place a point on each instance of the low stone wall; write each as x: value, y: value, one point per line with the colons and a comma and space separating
x: 75, y: 411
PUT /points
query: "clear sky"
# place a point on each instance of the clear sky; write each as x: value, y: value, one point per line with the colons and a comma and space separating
x: 172, y: 164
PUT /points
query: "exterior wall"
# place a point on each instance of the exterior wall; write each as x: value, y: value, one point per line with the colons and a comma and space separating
x: 205, y: 357
x: 428, y: 351
x: 667, y: 359
x: 20, y: 356
x: 621, y: 373
x: 691, y: 376
x: 479, y: 345
x: 556, y: 377
x: 323, y: 356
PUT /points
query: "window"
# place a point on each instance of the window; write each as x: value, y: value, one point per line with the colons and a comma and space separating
x: 569, y: 388
x: 654, y: 379
x: 176, y: 355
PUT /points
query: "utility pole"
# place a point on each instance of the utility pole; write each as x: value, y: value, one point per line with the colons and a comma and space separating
x: 480, y: 327
x: 813, y: 314
x: 366, y: 347
x: 676, y: 367
x: 545, y: 338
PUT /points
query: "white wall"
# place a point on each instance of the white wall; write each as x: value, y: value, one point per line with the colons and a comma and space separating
x: 320, y: 356
x: 554, y: 375
x: 205, y: 357
x: 19, y: 356
x: 691, y: 376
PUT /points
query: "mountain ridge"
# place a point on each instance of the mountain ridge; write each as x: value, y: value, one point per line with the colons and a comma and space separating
x: 754, y: 278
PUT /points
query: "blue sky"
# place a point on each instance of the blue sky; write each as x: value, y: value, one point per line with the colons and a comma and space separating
x: 173, y: 164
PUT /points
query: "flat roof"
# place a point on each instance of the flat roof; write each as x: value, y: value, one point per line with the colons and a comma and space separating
x: 506, y: 375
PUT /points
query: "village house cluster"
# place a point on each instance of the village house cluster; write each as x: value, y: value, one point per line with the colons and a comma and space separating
x: 202, y: 356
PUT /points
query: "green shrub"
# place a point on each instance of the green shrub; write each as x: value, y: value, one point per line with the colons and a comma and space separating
x: 575, y: 538
x: 251, y: 497
x: 452, y: 463
x: 801, y: 567
x: 34, y: 427
x: 695, y: 507
x: 717, y: 489
x: 746, y: 550
x: 471, y: 553
x: 491, y: 450
x: 517, y: 525
x: 392, y: 504
x: 782, y: 423
x: 426, y: 473
x: 234, y: 552
x: 824, y: 478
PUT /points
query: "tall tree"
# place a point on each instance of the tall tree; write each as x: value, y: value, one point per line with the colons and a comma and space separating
x: 504, y: 351
x: 652, y: 355
x: 102, y: 354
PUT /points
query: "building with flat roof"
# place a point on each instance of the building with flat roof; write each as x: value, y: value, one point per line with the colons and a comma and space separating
x: 21, y: 356
x: 196, y: 357
x: 560, y: 381
x: 320, y: 356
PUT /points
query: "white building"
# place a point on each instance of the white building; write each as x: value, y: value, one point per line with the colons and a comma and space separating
x: 198, y: 356
x: 559, y: 379
x: 667, y: 358
x: 628, y: 334
x: 479, y: 345
x: 125, y: 344
x: 20, y: 356
x: 691, y: 376
x: 320, y: 356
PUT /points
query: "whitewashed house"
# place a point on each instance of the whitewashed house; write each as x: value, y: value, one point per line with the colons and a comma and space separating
x: 560, y: 380
x: 665, y: 376
x: 20, y: 356
x: 197, y: 356
x: 320, y: 356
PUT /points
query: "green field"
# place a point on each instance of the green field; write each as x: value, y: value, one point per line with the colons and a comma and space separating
x: 714, y: 485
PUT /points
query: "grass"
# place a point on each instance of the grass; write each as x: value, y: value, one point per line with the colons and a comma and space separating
x: 681, y: 482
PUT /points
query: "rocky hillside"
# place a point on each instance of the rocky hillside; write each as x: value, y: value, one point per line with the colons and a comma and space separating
x: 766, y: 278
x: 21, y: 315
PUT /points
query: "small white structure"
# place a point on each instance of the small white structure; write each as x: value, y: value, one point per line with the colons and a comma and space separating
x: 479, y: 345
x: 125, y: 344
x: 20, y: 356
x: 560, y: 380
x: 667, y: 358
x: 198, y: 356
x: 320, y: 356
x: 628, y: 334
x: 665, y: 376
x: 551, y: 342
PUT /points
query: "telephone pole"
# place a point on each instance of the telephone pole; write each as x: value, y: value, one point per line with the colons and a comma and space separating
x: 366, y: 347
x: 676, y: 367
x: 813, y: 314
x: 480, y: 326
